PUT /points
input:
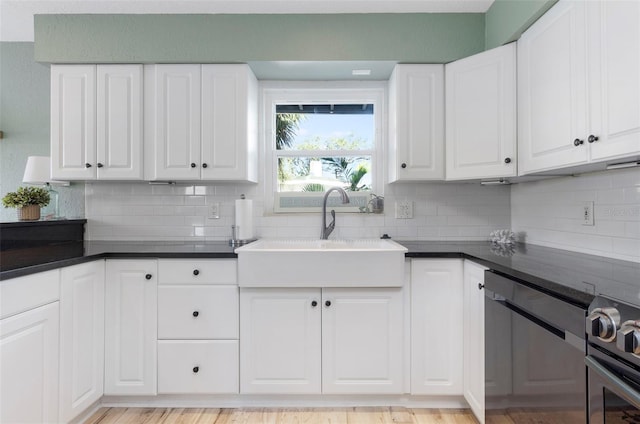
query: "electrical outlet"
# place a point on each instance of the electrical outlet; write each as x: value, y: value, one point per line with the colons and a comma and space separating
x: 404, y: 209
x: 587, y: 213
x: 214, y: 210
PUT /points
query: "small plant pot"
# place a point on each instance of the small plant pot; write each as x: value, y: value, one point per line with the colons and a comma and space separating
x: 29, y: 213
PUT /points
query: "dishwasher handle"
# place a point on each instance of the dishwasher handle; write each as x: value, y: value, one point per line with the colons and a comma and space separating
x: 614, y: 383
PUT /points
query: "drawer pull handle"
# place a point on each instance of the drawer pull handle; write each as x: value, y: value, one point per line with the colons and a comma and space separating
x: 195, y: 314
x: 314, y: 304
x: 196, y: 369
x: 327, y: 303
x: 196, y: 272
x: 148, y: 276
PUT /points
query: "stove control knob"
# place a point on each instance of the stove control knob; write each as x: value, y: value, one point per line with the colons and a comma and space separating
x: 628, y: 339
x: 603, y: 323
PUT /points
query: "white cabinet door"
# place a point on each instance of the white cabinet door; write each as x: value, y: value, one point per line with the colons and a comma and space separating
x: 119, y: 122
x: 131, y: 327
x: 416, y: 123
x: 73, y: 122
x: 436, y: 326
x: 29, y: 366
x: 229, y: 123
x: 552, y: 90
x: 614, y: 78
x: 81, y: 338
x: 172, y: 122
x: 280, y: 341
x: 362, y: 340
x: 481, y: 115
x: 473, y: 338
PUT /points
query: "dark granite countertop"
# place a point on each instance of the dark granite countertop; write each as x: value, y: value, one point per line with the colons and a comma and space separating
x: 572, y: 276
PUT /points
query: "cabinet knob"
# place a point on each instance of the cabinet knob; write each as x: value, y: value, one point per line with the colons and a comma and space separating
x: 193, y: 165
x: 578, y: 142
x: 195, y: 314
x: 99, y: 165
x: 592, y: 138
x: 196, y: 369
x: 314, y: 303
x: 480, y: 286
x: 204, y: 165
x: 87, y: 165
x: 327, y: 303
x: 404, y: 165
x: 148, y: 276
x: 196, y: 272
x: 507, y: 160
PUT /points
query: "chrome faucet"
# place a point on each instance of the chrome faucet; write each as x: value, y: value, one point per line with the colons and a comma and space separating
x: 326, y: 230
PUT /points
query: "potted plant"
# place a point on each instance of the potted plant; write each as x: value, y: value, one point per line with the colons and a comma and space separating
x: 28, y: 201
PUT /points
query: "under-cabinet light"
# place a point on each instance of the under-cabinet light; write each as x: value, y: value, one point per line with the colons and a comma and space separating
x: 361, y: 72
x: 623, y: 165
x: 501, y: 181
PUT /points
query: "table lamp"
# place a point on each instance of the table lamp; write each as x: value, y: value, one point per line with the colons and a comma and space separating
x: 38, y: 172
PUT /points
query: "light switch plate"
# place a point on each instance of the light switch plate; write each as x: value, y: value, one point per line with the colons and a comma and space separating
x: 214, y: 210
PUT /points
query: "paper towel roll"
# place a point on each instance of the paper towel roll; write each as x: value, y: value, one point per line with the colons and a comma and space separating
x: 244, y: 219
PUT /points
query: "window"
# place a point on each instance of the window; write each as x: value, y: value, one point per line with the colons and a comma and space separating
x: 321, y: 138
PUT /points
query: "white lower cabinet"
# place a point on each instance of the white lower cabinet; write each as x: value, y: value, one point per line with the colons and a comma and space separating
x: 332, y: 341
x: 198, y: 366
x: 131, y: 327
x: 473, y: 338
x: 362, y: 339
x: 81, y: 338
x: 198, y: 326
x: 29, y: 366
x: 436, y: 327
x: 280, y: 332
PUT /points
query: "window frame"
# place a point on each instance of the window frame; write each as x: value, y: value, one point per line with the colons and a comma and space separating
x: 314, y: 92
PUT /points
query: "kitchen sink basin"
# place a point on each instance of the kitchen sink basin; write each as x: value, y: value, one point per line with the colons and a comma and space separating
x: 321, y: 263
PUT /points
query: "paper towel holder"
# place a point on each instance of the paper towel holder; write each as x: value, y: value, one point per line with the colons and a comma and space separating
x: 235, y: 241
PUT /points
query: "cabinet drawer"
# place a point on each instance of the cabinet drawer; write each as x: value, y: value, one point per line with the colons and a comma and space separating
x: 217, y: 363
x: 198, y: 312
x: 194, y: 271
x: 28, y: 292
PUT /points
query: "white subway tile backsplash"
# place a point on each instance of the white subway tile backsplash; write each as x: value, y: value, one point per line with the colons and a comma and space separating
x: 547, y: 211
x: 550, y: 211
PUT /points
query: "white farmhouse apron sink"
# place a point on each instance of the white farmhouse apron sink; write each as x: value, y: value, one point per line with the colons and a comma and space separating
x: 321, y: 263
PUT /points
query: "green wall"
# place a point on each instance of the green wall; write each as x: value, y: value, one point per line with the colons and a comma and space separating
x: 24, y: 119
x: 418, y: 37
x: 506, y: 20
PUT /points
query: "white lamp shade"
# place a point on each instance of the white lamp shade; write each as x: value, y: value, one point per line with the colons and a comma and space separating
x: 38, y: 171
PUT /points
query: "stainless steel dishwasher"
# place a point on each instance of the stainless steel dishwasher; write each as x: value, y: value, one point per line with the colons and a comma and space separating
x: 534, y: 354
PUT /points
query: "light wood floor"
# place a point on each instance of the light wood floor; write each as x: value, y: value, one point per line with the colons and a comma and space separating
x: 393, y: 415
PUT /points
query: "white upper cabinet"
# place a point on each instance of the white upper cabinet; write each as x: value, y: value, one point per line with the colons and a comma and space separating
x: 578, y: 85
x: 613, y: 38
x: 416, y: 123
x: 552, y: 90
x: 200, y: 122
x: 96, y: 122
x: 229, y: 123
x: 73, y: 122
x: 481, y: 115
x: 119, y: 136
x: 172, y: 122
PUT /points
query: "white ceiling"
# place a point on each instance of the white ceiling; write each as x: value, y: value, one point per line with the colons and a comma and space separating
x: 16, y: 16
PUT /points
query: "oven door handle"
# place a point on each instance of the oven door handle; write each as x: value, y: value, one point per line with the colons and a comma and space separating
x: 621, y: 388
